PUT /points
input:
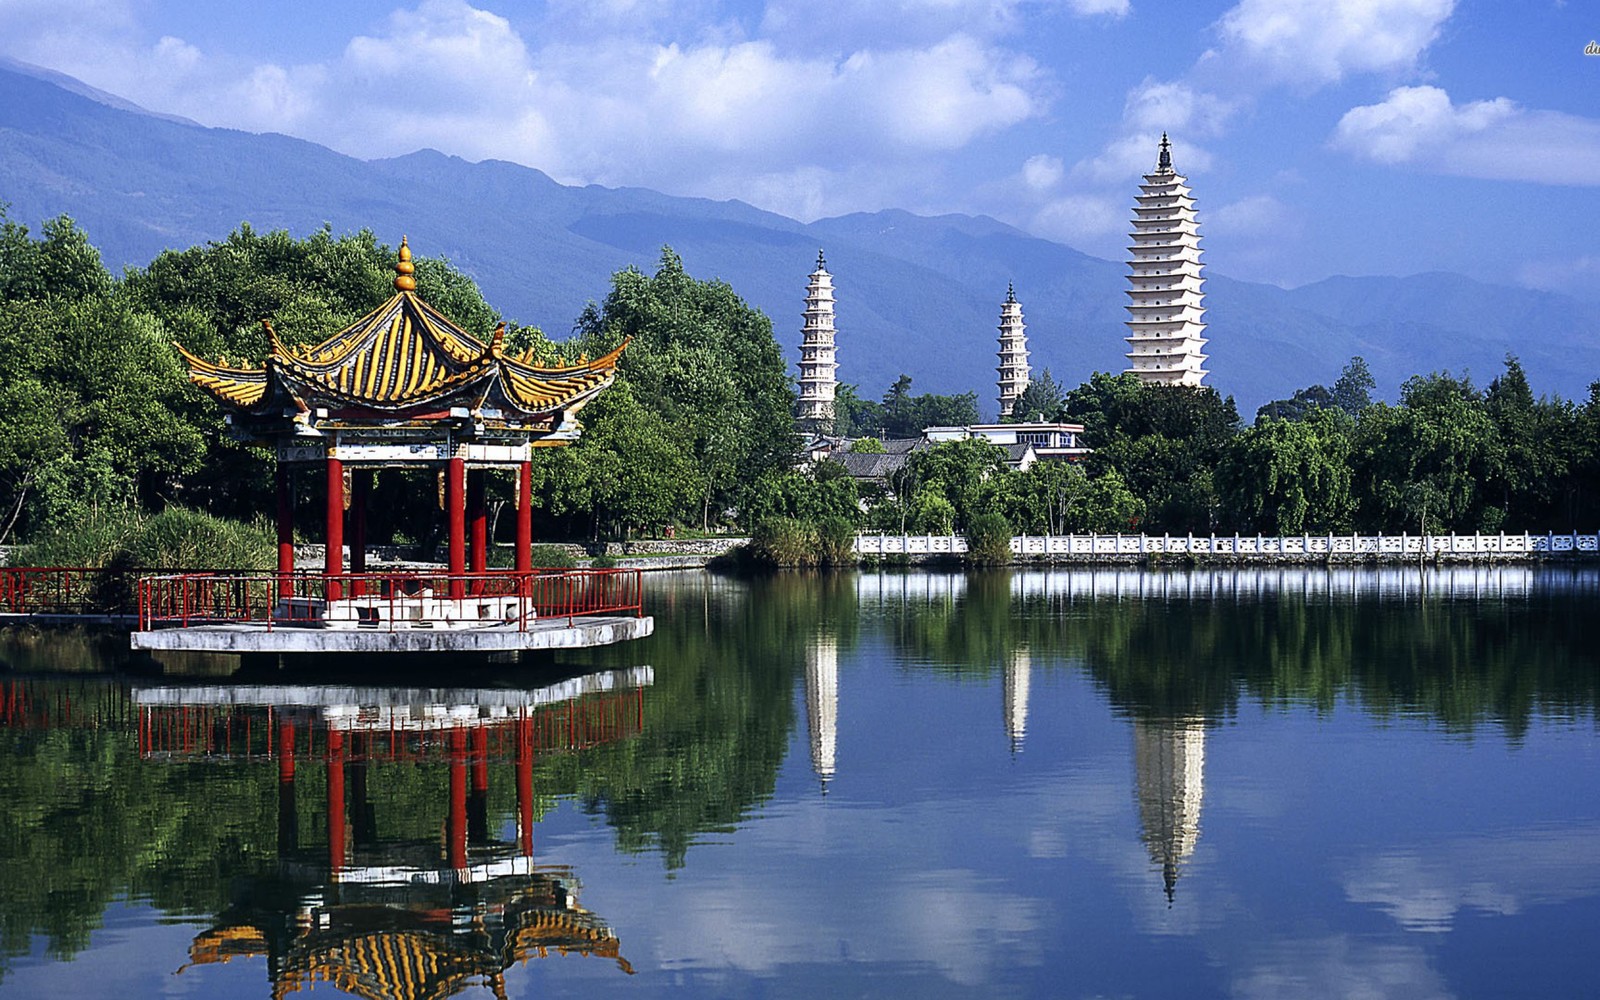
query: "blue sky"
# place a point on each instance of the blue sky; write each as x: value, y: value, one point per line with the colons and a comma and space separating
x: 1321, y: 136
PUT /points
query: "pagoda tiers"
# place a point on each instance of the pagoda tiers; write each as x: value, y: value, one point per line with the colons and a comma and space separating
x: 1166, y: 335
x: 1014, y: 371
x: 403, y: 387
x: 817, y: 365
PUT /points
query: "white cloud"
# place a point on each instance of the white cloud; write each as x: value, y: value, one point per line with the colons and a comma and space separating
x: 913, y: 22
x: 1339, y: 965
x: 1085, y: 220
x: 1424, y: 889
x: 1494, y: 140
x: 1255, y: 215
x: 1323, y: 41
x: 1042, y: 172
x: 1175, y: 106
x: 793, y: 131
x: 1089, y: 8
x: 1578, y: 276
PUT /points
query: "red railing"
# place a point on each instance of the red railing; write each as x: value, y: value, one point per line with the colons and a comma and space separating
x: 387, y: 601
x: 71, y: 590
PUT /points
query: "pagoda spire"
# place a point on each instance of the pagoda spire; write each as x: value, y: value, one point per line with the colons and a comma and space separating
x: 818, y: 378
x: 404, y: 271
x: 1013, y: 369
x: 1166, y: 331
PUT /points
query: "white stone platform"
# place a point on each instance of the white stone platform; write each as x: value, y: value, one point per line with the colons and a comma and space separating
x: 546, y: 633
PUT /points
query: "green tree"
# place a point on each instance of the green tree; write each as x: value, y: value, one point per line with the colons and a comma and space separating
x: 706, y: 363
x: 1164, y: 441
x: 1041, y: 400
x: 963, y: 472
x: 1353, y: 390
x: 906, y: 416
x: 1285, y: 477
x: 1425, y: 459
x: 854, y: 416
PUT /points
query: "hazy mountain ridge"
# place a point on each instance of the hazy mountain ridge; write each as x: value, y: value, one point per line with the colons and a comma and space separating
x: 915, y: 294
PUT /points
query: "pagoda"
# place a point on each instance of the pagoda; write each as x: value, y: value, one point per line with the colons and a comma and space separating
x: 1013, y: 370
x: 817, y: 365
x: 403, y: 387
x: 1166, y: 334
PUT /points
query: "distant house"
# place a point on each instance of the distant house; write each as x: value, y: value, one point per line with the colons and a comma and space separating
x: 1048, y: 441
x: 1024, y: 445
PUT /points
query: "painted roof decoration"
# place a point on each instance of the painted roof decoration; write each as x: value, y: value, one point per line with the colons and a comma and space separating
x: 402, y: 358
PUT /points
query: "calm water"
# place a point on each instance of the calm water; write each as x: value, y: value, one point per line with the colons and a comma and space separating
x: 1067, y: 784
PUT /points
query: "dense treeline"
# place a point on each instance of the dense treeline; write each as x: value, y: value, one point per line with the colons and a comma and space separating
x: 102, y: 429
x: 698, y: 430
x: 1448, y: 456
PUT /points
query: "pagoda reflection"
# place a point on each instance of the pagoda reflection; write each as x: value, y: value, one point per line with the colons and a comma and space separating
x: 822, y: 706
x: 1169, y: 758
x: 398, y: 917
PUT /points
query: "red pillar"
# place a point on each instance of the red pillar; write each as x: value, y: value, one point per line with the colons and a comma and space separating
x: 285, y: 479
x: 335, y: 532
x: 457, y: 832
x: 478, y: 803
x: 478, y: 525
x: 525, y: 786
x: 360, y: 486
x: 455, y: 474
x: 336, y: 799
x: 524, y: 559
x: 288, y: 818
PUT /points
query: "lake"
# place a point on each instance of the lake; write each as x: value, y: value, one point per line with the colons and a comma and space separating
x: 1072, y: 783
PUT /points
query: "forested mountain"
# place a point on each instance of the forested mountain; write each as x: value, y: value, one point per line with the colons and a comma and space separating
x: 916, y: 295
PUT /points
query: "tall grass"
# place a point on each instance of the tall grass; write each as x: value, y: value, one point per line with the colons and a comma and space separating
x: 988, y: 540
x: 836, y: 542
x: 783, y: 541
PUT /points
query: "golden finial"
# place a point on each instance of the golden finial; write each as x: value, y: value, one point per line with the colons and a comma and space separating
x: 404, y: 269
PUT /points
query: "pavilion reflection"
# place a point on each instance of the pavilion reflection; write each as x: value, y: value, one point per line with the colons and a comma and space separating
x: 397, y: 917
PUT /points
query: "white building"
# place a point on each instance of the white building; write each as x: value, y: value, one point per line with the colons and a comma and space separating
x: 818, y: 368
x: 1166, y: 335
x: 1013, y: 354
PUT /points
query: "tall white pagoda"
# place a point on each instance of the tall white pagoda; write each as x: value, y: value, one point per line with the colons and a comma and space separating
x: 817, y: 365
x: 1014, y: 371
x: 1166, y: 334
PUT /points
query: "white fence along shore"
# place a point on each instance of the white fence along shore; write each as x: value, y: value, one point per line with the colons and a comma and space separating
x: 1270, y: 546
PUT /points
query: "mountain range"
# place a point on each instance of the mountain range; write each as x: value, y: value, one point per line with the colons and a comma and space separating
x: 916, y: 295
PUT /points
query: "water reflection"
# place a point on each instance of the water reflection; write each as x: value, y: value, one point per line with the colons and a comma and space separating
x: 1409, y: 752
x: 1014, y: 696
x: 410, y: 908
x: 1169, y: 764
x: 822, y: 705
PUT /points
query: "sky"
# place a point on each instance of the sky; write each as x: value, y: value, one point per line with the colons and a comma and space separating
x: 1321, y: 137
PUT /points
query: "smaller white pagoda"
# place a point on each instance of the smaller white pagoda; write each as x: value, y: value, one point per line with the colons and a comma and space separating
x: 818, y: 378
x: 1166, y: 332
x: 1013, y: 354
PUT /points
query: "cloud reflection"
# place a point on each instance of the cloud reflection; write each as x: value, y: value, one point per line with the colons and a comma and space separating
x: 1423, y: 889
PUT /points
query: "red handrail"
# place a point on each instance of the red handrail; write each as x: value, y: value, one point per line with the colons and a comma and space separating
x: 387, y: 600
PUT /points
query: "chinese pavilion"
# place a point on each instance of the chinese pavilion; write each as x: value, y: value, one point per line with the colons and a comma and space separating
x: 405, y: 387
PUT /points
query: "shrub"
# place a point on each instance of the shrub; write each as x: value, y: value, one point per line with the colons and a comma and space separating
x: 176, y: 538
x: 784, y: 541
x: 836, y: 542
x: 552, y: 557
x: 989, y: 541
x: 604, y: 560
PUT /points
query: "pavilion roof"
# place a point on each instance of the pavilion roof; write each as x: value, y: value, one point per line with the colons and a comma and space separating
x: 401, y: 358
